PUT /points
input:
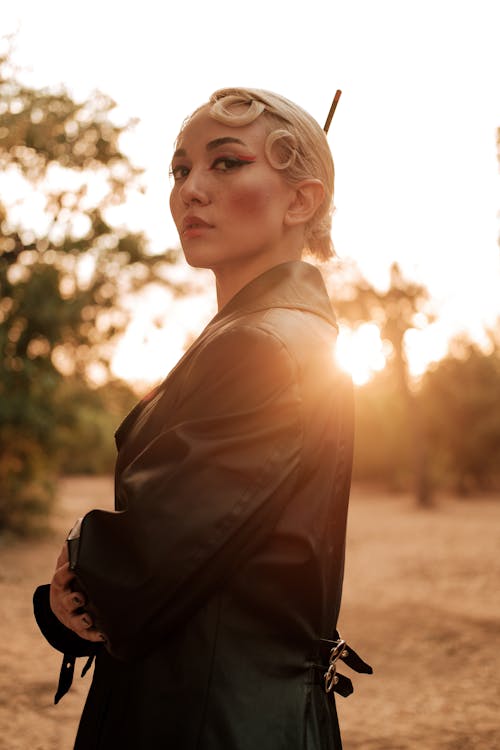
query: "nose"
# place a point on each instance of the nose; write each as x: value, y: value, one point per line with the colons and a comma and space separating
x: 193, y: 189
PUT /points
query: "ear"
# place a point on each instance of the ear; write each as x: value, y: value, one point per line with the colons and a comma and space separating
x: 307, y: 198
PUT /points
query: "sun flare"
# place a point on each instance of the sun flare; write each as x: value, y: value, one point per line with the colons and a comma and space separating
x: 361, y: 352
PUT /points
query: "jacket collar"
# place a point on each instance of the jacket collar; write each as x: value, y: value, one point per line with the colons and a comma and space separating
x: 294, y: 285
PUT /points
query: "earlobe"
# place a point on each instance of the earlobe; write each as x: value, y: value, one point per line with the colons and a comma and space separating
x: 307, y: 198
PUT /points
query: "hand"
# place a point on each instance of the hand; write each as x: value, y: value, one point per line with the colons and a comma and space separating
x: 67, y: 604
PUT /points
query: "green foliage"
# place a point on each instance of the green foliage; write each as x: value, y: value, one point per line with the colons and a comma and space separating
x: 403, y: 306
x: 26, y: 482
x: 62, y: 277
x: 459, y: 409
x: 460, y: 400
x: 84, y: 437
x: 382, y: 448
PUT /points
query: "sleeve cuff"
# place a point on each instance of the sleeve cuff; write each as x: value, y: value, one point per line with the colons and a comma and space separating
x: 61, y: 638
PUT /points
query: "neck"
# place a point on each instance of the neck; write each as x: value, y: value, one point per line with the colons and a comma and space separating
x: 233, y: 274
x: 229, y: 281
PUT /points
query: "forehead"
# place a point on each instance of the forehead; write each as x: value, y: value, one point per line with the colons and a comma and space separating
x: 202, y: 130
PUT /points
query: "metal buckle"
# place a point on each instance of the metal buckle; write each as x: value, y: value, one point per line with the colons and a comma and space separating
x: 337, y: 652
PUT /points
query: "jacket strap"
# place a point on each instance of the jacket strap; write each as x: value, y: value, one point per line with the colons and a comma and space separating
x: 67, y: 672
x: 329, y: 653
x: 65, y: 677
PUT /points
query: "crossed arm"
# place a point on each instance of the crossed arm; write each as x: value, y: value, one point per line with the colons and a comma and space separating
x: 201, y: 495
x: 68, y: 604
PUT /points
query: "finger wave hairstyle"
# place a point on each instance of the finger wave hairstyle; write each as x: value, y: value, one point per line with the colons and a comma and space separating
x: 295, y: 144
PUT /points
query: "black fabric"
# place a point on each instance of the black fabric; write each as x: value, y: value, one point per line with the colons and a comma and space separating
x: 342, y: 685
x: 62, y: 639
x: 348, y: 655
x: 222, y: 565
x: 59, y: 637
x: 65, y: 677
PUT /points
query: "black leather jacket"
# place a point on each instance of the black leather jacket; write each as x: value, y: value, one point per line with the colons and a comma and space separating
x: 221, y: 570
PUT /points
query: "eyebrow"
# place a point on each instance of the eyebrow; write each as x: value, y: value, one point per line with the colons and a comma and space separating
x: 212, y: 145
x: 221, y: 142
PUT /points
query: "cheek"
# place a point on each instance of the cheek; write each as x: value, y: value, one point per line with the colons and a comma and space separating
x: 177, y: 206
x: 173, y: 203
x: 250, y: 201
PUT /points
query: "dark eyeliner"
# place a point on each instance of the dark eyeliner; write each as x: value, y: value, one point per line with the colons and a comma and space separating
x: 233, y: 161
x: 174, y: 170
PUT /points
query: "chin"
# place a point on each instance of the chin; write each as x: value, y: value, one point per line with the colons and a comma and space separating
x: 198, y: 258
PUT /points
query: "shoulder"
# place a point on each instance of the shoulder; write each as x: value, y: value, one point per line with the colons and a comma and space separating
x: 239, y: 364
x: 307, y: 338
x: 243, y: 346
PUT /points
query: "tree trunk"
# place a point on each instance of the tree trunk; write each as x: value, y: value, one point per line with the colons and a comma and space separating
x: 421, y: 481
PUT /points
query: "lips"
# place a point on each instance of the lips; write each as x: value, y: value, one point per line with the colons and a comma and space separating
x: 193, y: 224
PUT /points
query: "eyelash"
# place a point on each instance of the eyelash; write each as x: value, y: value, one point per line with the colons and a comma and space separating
x: 233, y: 162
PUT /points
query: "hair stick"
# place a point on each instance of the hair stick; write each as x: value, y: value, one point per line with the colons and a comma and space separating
x: 332, y: 110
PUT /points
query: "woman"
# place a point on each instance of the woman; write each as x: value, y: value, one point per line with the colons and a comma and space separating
x: 210, y: 598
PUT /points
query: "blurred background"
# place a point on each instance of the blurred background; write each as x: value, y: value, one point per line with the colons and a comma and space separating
x: 97, y: 304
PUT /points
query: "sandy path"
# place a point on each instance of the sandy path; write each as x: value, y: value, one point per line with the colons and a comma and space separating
x: 421, y: 604
x: 29, y: 667
x: 421, y: 599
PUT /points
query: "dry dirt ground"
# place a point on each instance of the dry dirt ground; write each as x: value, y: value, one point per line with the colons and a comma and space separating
x: 421, y: 603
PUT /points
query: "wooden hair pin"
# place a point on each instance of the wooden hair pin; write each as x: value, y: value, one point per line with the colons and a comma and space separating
x: 332, y: 110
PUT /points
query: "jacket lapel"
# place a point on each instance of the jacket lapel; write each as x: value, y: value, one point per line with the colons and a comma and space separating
x: 294, y: 285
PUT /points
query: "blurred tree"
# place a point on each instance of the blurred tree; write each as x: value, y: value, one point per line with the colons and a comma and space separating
x: 395, y: 311
x: 461, y: 406
x: 84, y: 436
x: 64, y: 267
x: 381, y: 454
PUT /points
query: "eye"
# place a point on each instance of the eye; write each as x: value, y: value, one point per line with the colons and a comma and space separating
x: 227, y: 163
x: 179, y: 172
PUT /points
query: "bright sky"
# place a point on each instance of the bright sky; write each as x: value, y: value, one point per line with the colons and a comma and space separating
x: 413, y: 137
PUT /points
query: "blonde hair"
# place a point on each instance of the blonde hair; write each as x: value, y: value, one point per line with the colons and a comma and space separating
x: 295, y: 144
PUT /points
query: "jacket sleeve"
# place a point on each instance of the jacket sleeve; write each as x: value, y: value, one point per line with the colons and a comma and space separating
x: 206, y: 490
x: 61, y: 638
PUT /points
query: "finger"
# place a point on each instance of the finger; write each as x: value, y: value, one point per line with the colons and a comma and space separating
x: 78, y: 598
x: 84, y: 621
x: 58, y: 605
x: 80, y: 625
x: 63, y: 576
x: 93, y: 635
x: 63, y: 556
x: 80, y: 622
x: 60, y: 596
x: 72, y: 602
